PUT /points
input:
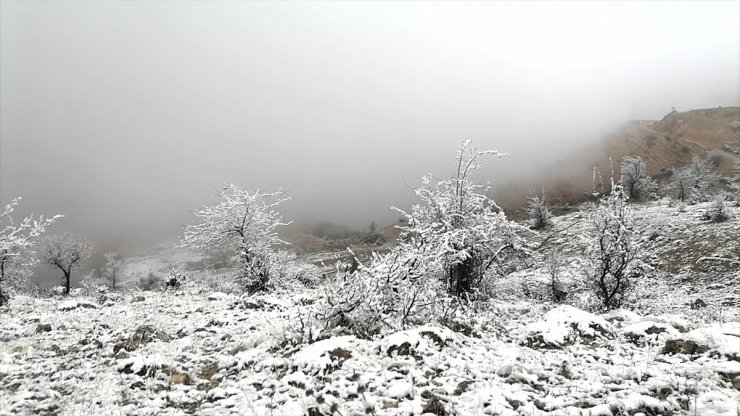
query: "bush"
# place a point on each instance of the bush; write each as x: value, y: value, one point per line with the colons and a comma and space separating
x: 459, y: 231
x: 718, y: 211
x: 635, y: 181
x: 539, y: 212
x: 611, y: 260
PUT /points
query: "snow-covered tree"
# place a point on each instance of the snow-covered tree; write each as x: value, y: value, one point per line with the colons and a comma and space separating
x: 538, y: 211
x: 449, y: 241
x: 692, y: 182
x: 17, y: 243
x: 456, y: 225
x: 718, y: 211
x: 635, y: 181
x: 611, y: 258
x: 66, y: 252
x: 112, y: 268
x: 244, y: 221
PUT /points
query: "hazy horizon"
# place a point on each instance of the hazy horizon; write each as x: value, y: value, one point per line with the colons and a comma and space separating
x: 126, y: 116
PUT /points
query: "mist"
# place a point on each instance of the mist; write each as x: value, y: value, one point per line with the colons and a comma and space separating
x: 126, y: 116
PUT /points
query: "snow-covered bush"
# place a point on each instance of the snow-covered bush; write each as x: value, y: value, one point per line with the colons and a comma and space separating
x: 612, y: 254
x: 288, y: 271
x: 635, y: 181
x: 691, y: 183
x: 717, y: 211
x: 449, y: 243
x: 247, y: 222
x: 66, y: 252
x: 396, y: 289
x: 538, y: 211
x: 17, y: 244
x: 458, y: 230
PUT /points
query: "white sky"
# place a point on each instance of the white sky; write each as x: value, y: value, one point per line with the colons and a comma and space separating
x: 125, y: 115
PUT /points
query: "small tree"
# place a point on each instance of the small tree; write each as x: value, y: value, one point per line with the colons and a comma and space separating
x: 17, y: 243
x: 692, y: 182
x: 246, y: 222
x: 66, y: 252
x: 635, y: 181
x: 538, y: 211
x: 459, y: 225
x: 112, y: 268
x: 612, y: 253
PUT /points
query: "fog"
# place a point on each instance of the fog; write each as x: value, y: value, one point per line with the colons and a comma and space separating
x: 126, y: 116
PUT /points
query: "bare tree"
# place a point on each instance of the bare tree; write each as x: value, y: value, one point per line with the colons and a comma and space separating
x: 66, y: 252
x: 112, y: 268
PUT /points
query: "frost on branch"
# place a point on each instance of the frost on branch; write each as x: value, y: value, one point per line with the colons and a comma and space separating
x: 246, y: 222
x: 448, y: 242
x: 635, y: 181
x: 66, y: 252
x: 691, y: 183
x: 612, y: 256
x: 395, y: 290
x: 17, y: 243
x: 457, y: 228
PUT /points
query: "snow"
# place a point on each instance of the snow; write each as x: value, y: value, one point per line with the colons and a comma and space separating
x: 724, y: 337
x: 242, y: 355
x: 565, y: 324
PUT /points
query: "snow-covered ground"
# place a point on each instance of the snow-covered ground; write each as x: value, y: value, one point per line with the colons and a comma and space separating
x: 176, y: 353
x: 210, y: 353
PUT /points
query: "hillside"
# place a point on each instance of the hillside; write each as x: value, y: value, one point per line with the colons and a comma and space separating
x: 196, y: 351
x: 663, y: 145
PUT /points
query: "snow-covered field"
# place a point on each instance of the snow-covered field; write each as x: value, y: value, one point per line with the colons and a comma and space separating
x: 199, y: 352
x: 177, y: 353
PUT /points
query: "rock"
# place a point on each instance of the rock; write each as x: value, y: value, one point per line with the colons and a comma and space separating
x: 462, y: 387
x: 75, y: 303
x: 217, y: 296
x: 43, y: 328
x: 566, y: 325
x: 681, y: 346
x: 390, y: 405
x: 143, y: 335
x: 180, y: 378
x: 434, y: 406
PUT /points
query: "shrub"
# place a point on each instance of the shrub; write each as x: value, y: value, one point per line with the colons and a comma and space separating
x: 635, y: 181
x: 538, y: 211
x: 611, y: 257
x: 718, y: 211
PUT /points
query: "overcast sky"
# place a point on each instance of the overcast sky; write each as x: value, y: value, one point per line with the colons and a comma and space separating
x: 126, y: 115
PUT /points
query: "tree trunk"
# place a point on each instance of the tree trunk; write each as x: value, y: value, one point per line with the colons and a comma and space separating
x: 66, y: 282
